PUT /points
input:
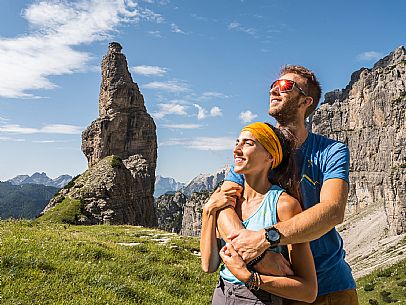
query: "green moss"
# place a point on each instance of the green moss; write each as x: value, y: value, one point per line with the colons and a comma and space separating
x: 116, y: 161
x: 68, y: 211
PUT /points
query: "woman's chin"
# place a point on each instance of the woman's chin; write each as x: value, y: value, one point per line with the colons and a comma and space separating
x: 238, y: 169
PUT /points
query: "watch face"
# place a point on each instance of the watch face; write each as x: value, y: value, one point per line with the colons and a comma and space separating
x: 273, y: 235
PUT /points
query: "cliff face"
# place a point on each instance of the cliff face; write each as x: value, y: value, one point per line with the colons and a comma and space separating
x: 192, y: 215
x: 169, y: 211
x: 369, y: 116
x: 122, y: 192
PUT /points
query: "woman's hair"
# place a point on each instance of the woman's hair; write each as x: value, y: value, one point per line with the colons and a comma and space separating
x: 286, y: 173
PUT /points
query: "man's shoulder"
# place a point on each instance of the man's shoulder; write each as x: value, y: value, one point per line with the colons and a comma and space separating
x: 324, y: 143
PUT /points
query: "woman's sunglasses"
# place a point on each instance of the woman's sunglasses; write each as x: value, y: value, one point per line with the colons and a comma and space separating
x: 286, y: 85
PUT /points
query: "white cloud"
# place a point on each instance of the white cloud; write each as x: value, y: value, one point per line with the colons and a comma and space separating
x: 171, y: 86
x: 155, y: 34
x: 149, y: 70
x: 56, y: 28
x: 235, y: 26
x: 247, y: 116
x: 202, y: 113
x: 215, y: 111
x: 370, y: 55
x: 53, y: 128
x: 203, y: 143
x: 212, y: 94
x: 176, y: 29
x: 182, y: 126
x: 8, y: 139
x: 169, y: 109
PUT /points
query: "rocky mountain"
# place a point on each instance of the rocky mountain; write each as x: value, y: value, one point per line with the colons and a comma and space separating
x: 369, y: 116
x: 205, y: 182
x: 166, y: 184
x: 192, y: 215
x: 41, y: 178
x: 23, y: 201
x: 121, y: 149
x: 169, y: 211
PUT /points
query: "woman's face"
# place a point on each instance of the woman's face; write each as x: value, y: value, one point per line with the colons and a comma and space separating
x: 250, y: 156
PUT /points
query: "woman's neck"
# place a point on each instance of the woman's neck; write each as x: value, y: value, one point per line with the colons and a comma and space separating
x: 256, y: 185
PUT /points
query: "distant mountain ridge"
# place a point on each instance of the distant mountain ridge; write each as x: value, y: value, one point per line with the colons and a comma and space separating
x: 205, y: 182
x: 164, y: 185
x: 42, y: 179
x: 23, y: 201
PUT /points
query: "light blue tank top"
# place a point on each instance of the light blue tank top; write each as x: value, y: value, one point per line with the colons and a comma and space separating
x: 264, y: 216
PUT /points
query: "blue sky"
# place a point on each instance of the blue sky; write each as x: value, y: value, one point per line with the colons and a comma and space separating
x: 204, y: 68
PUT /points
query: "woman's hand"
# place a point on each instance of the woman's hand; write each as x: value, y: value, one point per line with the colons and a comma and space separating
x: 234, y: 263
x: 222, y: 198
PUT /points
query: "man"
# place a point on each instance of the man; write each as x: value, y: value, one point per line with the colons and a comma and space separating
x: 323, y: 166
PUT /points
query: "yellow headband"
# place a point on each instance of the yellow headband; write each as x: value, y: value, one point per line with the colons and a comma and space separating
x: 269, y: 140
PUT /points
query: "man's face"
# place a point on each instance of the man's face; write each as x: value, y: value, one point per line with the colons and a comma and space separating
x: 284, y: 106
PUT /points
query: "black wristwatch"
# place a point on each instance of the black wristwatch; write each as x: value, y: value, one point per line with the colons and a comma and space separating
x: 273, y: 236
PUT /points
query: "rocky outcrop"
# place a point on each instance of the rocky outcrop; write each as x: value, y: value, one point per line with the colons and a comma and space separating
x: 369, y: 116
x: 205, y: 182
x: 109, y: 194
x: 122, y: 192
x: 192, y: 215
x: 169, y: 211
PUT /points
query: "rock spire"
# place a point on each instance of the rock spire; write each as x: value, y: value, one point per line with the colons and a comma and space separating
x: 121, y: 149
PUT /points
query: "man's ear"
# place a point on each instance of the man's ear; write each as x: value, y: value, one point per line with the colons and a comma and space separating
x: 308, y: 101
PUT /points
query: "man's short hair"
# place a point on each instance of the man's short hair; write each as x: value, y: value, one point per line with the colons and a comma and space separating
x: 313, y: 86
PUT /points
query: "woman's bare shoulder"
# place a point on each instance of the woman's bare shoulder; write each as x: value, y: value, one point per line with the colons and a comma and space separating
x: 287, y: 207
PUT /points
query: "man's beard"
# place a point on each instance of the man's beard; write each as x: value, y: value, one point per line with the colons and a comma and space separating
x: 287, y: 113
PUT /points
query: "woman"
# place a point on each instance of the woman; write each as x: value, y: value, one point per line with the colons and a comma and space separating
x: 259, y: 149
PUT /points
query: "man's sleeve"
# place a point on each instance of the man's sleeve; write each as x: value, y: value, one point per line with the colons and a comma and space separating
x: 234, y: 177
x: 338, y: 162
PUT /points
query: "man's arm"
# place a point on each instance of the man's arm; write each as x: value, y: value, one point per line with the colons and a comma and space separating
x: 306, y: 226
x: 319, y: 219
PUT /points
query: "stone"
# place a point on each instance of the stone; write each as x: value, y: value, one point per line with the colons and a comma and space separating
x: 369, y: 116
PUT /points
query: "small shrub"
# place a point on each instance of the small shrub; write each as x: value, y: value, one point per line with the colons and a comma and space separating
x: 373, y: 302
x: 116, y: 161
x: 402, y: 283
x: 71, y: 183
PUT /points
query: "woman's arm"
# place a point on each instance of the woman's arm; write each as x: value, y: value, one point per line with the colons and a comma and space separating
x: 209, y: 248
x: 302, y: 285
x: 208, y: 243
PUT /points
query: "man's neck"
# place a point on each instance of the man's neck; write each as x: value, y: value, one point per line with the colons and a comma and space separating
x: 298, y: 129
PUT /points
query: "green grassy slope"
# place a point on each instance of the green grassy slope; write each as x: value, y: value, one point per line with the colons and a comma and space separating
x: 44, y: 263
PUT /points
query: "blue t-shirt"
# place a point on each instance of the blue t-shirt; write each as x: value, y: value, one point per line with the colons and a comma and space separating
x: 319, y: 159
x: 264, y: 216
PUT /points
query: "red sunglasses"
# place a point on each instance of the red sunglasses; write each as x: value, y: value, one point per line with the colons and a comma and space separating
x: 286, y: 85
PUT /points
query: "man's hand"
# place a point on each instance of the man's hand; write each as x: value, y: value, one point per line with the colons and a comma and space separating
x: 274, y: 264
x: 249, y: 244
x: 222, y: 198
